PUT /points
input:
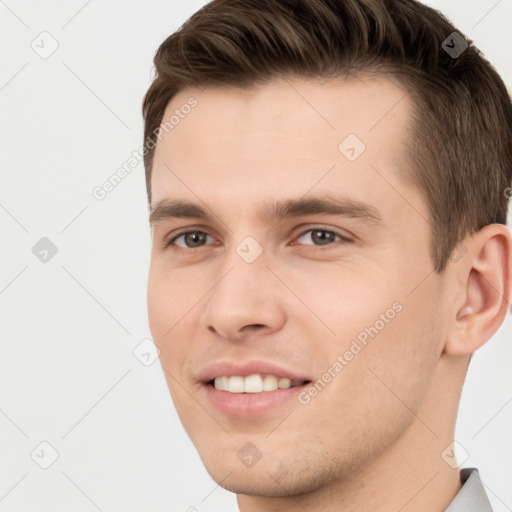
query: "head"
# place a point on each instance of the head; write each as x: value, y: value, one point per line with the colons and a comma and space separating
x: 328, y: 195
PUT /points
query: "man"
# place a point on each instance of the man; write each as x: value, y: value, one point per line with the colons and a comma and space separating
x: 328, y: 184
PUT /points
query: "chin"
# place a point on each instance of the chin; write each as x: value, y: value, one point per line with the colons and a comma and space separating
x: 281, y: 477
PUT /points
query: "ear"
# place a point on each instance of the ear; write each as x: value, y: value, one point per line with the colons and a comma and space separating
x: 484, y: 279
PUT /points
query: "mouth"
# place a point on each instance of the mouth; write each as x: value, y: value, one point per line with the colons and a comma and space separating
x: 250, y: 389
x: 255, y: 383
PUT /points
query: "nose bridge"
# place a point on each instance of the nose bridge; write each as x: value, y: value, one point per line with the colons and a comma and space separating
x: 246, y: 293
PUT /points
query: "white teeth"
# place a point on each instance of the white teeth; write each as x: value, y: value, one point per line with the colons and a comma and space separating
x: 284, y: 383
x: 221, y: 383
x: 254, y: 383
x: 270, y: 383
x: 235, y: 385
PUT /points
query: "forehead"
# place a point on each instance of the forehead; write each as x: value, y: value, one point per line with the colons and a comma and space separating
x: 283, y: 138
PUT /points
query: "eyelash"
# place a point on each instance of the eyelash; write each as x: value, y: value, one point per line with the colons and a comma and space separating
x: 342, y: 238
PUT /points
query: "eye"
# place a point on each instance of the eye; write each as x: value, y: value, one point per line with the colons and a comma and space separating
x: 320, y: 236
x: 189, y: 239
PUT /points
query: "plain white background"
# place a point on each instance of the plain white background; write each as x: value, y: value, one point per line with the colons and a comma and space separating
x: 69, y: 326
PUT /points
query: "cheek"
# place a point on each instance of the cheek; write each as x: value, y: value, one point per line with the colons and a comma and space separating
x: 166, y: 323
x: 397, y: 365
x: 387, y: 338
x: 345, y: 297
x: 169, y: 297
x: 160, y: 304
x: 365, y: 400
x: 167, y: 306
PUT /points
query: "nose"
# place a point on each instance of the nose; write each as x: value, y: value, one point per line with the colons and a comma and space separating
x: 246, y: 301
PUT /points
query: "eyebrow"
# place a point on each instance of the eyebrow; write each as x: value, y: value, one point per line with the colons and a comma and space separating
x: 272, y: 212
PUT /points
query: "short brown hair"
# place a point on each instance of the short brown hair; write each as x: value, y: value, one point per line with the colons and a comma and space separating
x: 460, y: 148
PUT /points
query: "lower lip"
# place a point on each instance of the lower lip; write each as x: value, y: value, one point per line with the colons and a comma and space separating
x: 250, y: 404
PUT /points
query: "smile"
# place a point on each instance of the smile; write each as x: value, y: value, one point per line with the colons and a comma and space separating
x: 255, y: 383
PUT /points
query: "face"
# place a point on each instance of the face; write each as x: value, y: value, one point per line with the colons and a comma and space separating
x: 289, y: 254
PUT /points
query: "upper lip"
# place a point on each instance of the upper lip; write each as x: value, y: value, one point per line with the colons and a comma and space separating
x: 246, y: 368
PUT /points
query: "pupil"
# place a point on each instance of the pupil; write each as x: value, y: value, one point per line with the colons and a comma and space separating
x: 193, y: 239
x: 324, y: 238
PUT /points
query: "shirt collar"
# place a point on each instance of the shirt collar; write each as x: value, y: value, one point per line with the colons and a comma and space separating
x: 472, y: 496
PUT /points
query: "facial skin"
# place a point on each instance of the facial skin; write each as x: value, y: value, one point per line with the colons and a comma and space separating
x: 372, y: 438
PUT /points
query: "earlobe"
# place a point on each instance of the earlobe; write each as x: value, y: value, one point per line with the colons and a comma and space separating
x: 485, y: 273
